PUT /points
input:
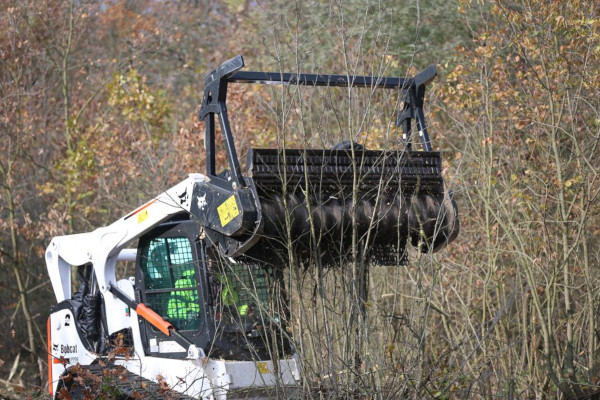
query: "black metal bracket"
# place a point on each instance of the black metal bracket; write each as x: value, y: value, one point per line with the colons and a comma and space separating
x: 214, y: 103
x: 414, y: 97
x: 215, y: 97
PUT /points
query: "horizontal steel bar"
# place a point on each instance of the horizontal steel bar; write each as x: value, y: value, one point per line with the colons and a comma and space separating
x: 319, y: 80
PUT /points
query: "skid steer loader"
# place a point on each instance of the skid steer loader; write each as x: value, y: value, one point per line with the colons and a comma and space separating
x: 204, y: 313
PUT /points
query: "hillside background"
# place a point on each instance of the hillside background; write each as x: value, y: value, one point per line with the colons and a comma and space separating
x: 97, y: 115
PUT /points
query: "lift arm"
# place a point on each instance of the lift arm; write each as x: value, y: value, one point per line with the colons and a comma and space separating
x: 102, y: 247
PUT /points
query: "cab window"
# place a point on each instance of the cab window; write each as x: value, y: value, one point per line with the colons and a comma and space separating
x: 244, y: 289
x: 167, y: 266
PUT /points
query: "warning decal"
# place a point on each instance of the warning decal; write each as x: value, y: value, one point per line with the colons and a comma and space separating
x: 263, y: 368
x: 228, y: 210
x: 142, y: 216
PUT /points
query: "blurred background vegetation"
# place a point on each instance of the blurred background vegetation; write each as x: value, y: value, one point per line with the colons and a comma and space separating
x: 97, y: 114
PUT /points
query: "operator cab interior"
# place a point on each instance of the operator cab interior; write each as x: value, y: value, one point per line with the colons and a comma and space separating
x: 231, y: 308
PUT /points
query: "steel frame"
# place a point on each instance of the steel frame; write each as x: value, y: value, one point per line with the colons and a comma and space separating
x: 215, y: 97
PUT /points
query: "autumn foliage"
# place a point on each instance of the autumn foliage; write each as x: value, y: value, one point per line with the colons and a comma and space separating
x: 98, y: 104
x: 524, y: 101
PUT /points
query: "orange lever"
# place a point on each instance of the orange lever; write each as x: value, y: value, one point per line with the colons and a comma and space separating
x: 156, y: 320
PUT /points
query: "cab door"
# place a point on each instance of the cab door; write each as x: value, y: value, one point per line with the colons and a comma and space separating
x: 170, y: 279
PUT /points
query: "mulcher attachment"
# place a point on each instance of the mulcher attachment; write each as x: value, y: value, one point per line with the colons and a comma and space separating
x: 383, y: 198
x: 316, y: 205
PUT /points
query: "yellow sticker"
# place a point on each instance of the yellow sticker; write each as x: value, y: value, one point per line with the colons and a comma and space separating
x: 263, y: 368
x: 142, y: 216
x: 228, y: 210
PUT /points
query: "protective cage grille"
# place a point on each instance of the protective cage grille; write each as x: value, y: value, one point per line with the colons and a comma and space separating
x: 247, y: 289
x: 170, y: 280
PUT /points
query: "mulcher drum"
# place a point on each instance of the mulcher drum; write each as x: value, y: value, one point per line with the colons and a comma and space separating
x: 382, y: 198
